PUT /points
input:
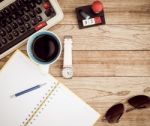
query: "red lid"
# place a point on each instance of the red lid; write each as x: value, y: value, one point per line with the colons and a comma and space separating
x: 97, y: 7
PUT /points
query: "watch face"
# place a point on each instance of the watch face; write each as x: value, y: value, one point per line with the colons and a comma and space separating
x: 67, y: 72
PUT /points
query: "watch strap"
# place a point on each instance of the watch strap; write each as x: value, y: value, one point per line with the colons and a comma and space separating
x: 67, y: 51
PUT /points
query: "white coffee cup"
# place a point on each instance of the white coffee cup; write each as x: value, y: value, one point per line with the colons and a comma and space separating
x: 44, y: 48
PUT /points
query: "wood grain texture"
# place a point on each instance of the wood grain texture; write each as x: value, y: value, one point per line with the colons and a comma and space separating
x: 112, y: 37
x: 104, y: 63
x: 115, y: 18
x: 103, y: 92
x: 107, y: 37
x: 116, y: 11
x: 109, y: 6
x: 107, y: 63
x: 111, y: 62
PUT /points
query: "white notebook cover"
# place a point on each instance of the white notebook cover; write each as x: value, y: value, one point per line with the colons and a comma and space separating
x: 50, y: 105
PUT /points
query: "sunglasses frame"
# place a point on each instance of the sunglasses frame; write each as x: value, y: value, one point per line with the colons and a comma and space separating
x: 124, y: 108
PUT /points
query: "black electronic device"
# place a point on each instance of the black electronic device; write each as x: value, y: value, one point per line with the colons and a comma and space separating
x: 88, y: 18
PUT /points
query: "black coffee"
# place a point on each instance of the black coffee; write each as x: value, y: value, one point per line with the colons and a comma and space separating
x: 45, y: 48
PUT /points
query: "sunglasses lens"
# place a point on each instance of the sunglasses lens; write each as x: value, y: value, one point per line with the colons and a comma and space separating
x: 114, y: 113
x: 140, y: 101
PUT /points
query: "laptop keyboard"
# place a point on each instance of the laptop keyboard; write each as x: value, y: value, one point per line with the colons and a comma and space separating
x: 21, y: 19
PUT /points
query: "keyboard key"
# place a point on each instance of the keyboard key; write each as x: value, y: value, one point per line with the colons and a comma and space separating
x: 8, y: 20
x: 22, y: 29
x: 14, y: 25
x: 19, y: 3
x: 38, y: 1
x: 10, y: 37
x: 2, y: 32
x: 20, y: 21
x: 6, y: 12
x: 33, y: 22
x: 46, y: 5
x: 39, y: 18
x: 26, y: 18
x: 38, y: 10
x: 20, y: 12
x: 15, y: 33
x: 8, y: 29
x: 1, y: 15
x: 4, y: 41
x: 52, y: 10
x: 12, y: 7
x: 32, y: 5
x: 40, y: 25
x: 26, y: 9
x: 14, y: 16
x: 28, y: 26
x: 3, y: 23
x: 48, y: 13
x: 32, y: 14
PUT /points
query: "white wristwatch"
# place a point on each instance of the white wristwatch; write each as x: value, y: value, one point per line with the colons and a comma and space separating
x: 67, y: 71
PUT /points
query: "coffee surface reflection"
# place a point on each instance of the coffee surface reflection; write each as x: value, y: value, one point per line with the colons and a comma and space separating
x: 45, y: 48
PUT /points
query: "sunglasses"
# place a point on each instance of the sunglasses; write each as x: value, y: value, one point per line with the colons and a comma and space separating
x: 116, y: 111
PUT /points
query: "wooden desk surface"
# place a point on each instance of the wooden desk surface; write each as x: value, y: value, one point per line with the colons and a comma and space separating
x: 111, y: 62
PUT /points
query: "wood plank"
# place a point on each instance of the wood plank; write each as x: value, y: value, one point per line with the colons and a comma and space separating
x: 109, y: 6
x: 116, y: 11
x: 103, y: 92
x: 115, y: 18
x: 105, y: 63
x: 112, y: 37
x: 102, y: 57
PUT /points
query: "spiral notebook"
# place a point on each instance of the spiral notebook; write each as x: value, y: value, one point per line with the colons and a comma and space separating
x: 50, y: 105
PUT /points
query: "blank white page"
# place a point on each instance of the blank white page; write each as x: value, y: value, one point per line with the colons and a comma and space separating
x: 64, y: 108
x: 17, y: 75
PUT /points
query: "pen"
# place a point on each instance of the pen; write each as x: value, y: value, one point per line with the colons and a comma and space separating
x: 27, y: 90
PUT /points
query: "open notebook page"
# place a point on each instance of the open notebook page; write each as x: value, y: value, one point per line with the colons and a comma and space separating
x: 64, y: 108
x: 17, y: 75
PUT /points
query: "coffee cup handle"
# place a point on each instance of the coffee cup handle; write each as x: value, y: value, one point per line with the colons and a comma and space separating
x: 44, y: 68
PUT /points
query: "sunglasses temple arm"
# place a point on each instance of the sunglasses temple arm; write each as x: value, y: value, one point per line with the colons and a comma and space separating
x: 131, y: 109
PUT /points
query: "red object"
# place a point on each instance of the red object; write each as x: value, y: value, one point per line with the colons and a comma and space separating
x: 40, y: 26
x: 98, y: 20
x: 46, y: 5
x: 97, y: 7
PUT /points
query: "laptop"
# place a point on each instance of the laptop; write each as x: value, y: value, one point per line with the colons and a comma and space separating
x: 19, y: 19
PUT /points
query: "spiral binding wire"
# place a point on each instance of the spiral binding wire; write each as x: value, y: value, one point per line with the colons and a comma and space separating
x: 40, y: 107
